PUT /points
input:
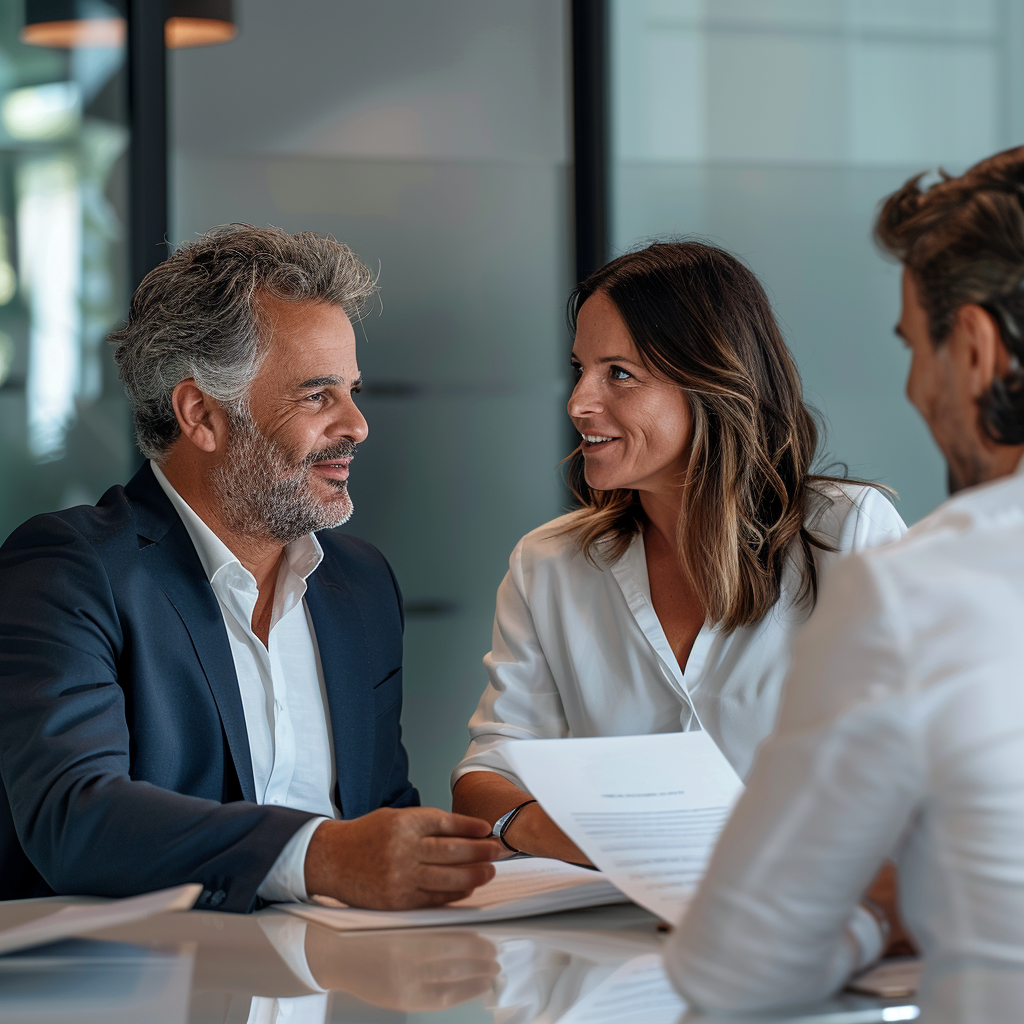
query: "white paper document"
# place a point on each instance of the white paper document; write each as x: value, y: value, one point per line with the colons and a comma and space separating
x: 89, y: 917
x: 647, y: 810
x: 890, y: 979
x: 521, y: 888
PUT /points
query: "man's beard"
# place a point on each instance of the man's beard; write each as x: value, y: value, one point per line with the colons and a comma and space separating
x: 266, y: 491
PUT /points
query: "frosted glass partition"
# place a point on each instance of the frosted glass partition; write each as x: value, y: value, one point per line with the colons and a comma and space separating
x: 773, y: 128
x: 64, y: 136
x: 437, y: 148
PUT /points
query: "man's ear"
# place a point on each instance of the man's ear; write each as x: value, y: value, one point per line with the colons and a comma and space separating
x: 982, y: 354
x: 201, y: 419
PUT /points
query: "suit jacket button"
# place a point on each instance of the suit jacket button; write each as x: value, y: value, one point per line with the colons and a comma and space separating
x: 217, y: 898
x: 204, y: 896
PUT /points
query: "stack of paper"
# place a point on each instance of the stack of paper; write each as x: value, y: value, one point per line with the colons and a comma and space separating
x: 647, y: 810
x: 521, y: 888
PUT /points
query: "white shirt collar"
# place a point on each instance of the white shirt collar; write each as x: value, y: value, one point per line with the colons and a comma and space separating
x: 303, y: 555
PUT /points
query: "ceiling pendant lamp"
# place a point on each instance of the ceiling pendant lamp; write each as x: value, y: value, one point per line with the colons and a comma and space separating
x: 68, y: 24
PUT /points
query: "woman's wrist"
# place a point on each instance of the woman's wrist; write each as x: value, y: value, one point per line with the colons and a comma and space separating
x: 506, y: 821
x: 535, y: 833
x: 520, y: 833
x: 882, y: 922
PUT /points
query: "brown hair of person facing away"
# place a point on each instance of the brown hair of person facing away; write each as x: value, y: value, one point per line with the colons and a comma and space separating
x: 962, y: 240
x: 700, y: 319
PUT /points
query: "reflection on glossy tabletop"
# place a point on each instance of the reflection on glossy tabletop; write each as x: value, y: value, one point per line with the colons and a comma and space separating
x: 585, y: 967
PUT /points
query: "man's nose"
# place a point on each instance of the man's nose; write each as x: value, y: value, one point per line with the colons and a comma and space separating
x: 350, y: 423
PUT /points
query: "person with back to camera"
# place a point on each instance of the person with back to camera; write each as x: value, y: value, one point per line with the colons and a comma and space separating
x: 670, y: 599
x: 901, y: 731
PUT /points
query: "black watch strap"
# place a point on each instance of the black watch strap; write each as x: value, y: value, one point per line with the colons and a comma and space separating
x: 502, y: 824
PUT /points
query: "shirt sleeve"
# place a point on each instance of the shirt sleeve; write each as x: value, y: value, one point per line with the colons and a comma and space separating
x: 853, y: 517
x: 872, y: 522
x: 286, y: 880
x: 775, y: 921
x: 521, y: 700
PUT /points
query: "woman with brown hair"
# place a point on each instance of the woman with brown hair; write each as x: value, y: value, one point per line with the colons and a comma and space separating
x: 670, y: 599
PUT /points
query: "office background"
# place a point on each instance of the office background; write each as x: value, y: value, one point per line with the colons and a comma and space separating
x: 437, y: 138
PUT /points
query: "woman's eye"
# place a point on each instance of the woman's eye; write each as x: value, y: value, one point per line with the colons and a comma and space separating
x: 577, y: 370
x: 618, y: 373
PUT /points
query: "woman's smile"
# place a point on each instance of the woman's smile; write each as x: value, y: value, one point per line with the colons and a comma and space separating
x: 591, y: 444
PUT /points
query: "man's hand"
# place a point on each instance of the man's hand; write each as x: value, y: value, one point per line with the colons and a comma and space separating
x: 400, y: 859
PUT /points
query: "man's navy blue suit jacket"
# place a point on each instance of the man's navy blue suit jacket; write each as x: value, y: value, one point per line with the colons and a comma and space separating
x: 124, y: 757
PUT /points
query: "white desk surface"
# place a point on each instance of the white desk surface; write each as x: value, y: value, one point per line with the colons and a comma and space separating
x: 271, y: 968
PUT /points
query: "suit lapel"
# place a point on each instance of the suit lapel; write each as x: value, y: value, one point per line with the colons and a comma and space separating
x: 341, y: 639
x: 172, y: 559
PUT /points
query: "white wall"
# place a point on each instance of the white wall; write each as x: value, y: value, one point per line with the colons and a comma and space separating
x: 433, y: 138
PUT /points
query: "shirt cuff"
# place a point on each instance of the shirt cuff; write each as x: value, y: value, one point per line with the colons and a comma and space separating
x: 286, y: 880
x: 864, y: 928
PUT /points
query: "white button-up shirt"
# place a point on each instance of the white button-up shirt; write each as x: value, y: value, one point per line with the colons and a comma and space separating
x: 281, y: 686
x: 578, y: 650
x: 901, y: 734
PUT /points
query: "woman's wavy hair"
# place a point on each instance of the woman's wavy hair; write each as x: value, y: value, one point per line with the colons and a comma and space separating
x: 962, y: 239
x: 700, y: 319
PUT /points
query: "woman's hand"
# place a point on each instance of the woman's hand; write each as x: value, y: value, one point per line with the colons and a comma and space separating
x: 488, y: 795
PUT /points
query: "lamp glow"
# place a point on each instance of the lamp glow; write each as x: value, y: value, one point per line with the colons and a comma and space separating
x: 61, y: 25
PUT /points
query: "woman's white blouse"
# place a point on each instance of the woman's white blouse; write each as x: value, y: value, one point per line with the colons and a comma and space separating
x: 578, y: 650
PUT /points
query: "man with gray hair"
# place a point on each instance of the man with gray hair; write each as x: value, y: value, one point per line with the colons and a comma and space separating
x: 201, y: 680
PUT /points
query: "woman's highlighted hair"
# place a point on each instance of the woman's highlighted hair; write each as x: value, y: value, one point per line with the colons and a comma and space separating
x: 700, y: 319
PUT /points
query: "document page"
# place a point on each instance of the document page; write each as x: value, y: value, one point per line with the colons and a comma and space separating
x: 647, y: 810
x: 520, y: 879
x: 89, y: 917
x: 521, y: 888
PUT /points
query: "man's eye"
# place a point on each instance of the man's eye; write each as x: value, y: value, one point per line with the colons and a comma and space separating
x: 317, y: 396
x: 356, y: 388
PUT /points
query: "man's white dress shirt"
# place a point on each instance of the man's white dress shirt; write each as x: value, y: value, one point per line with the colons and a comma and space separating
x: 281, y: 686
x: 901, y: 734
x: 578, y: 650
